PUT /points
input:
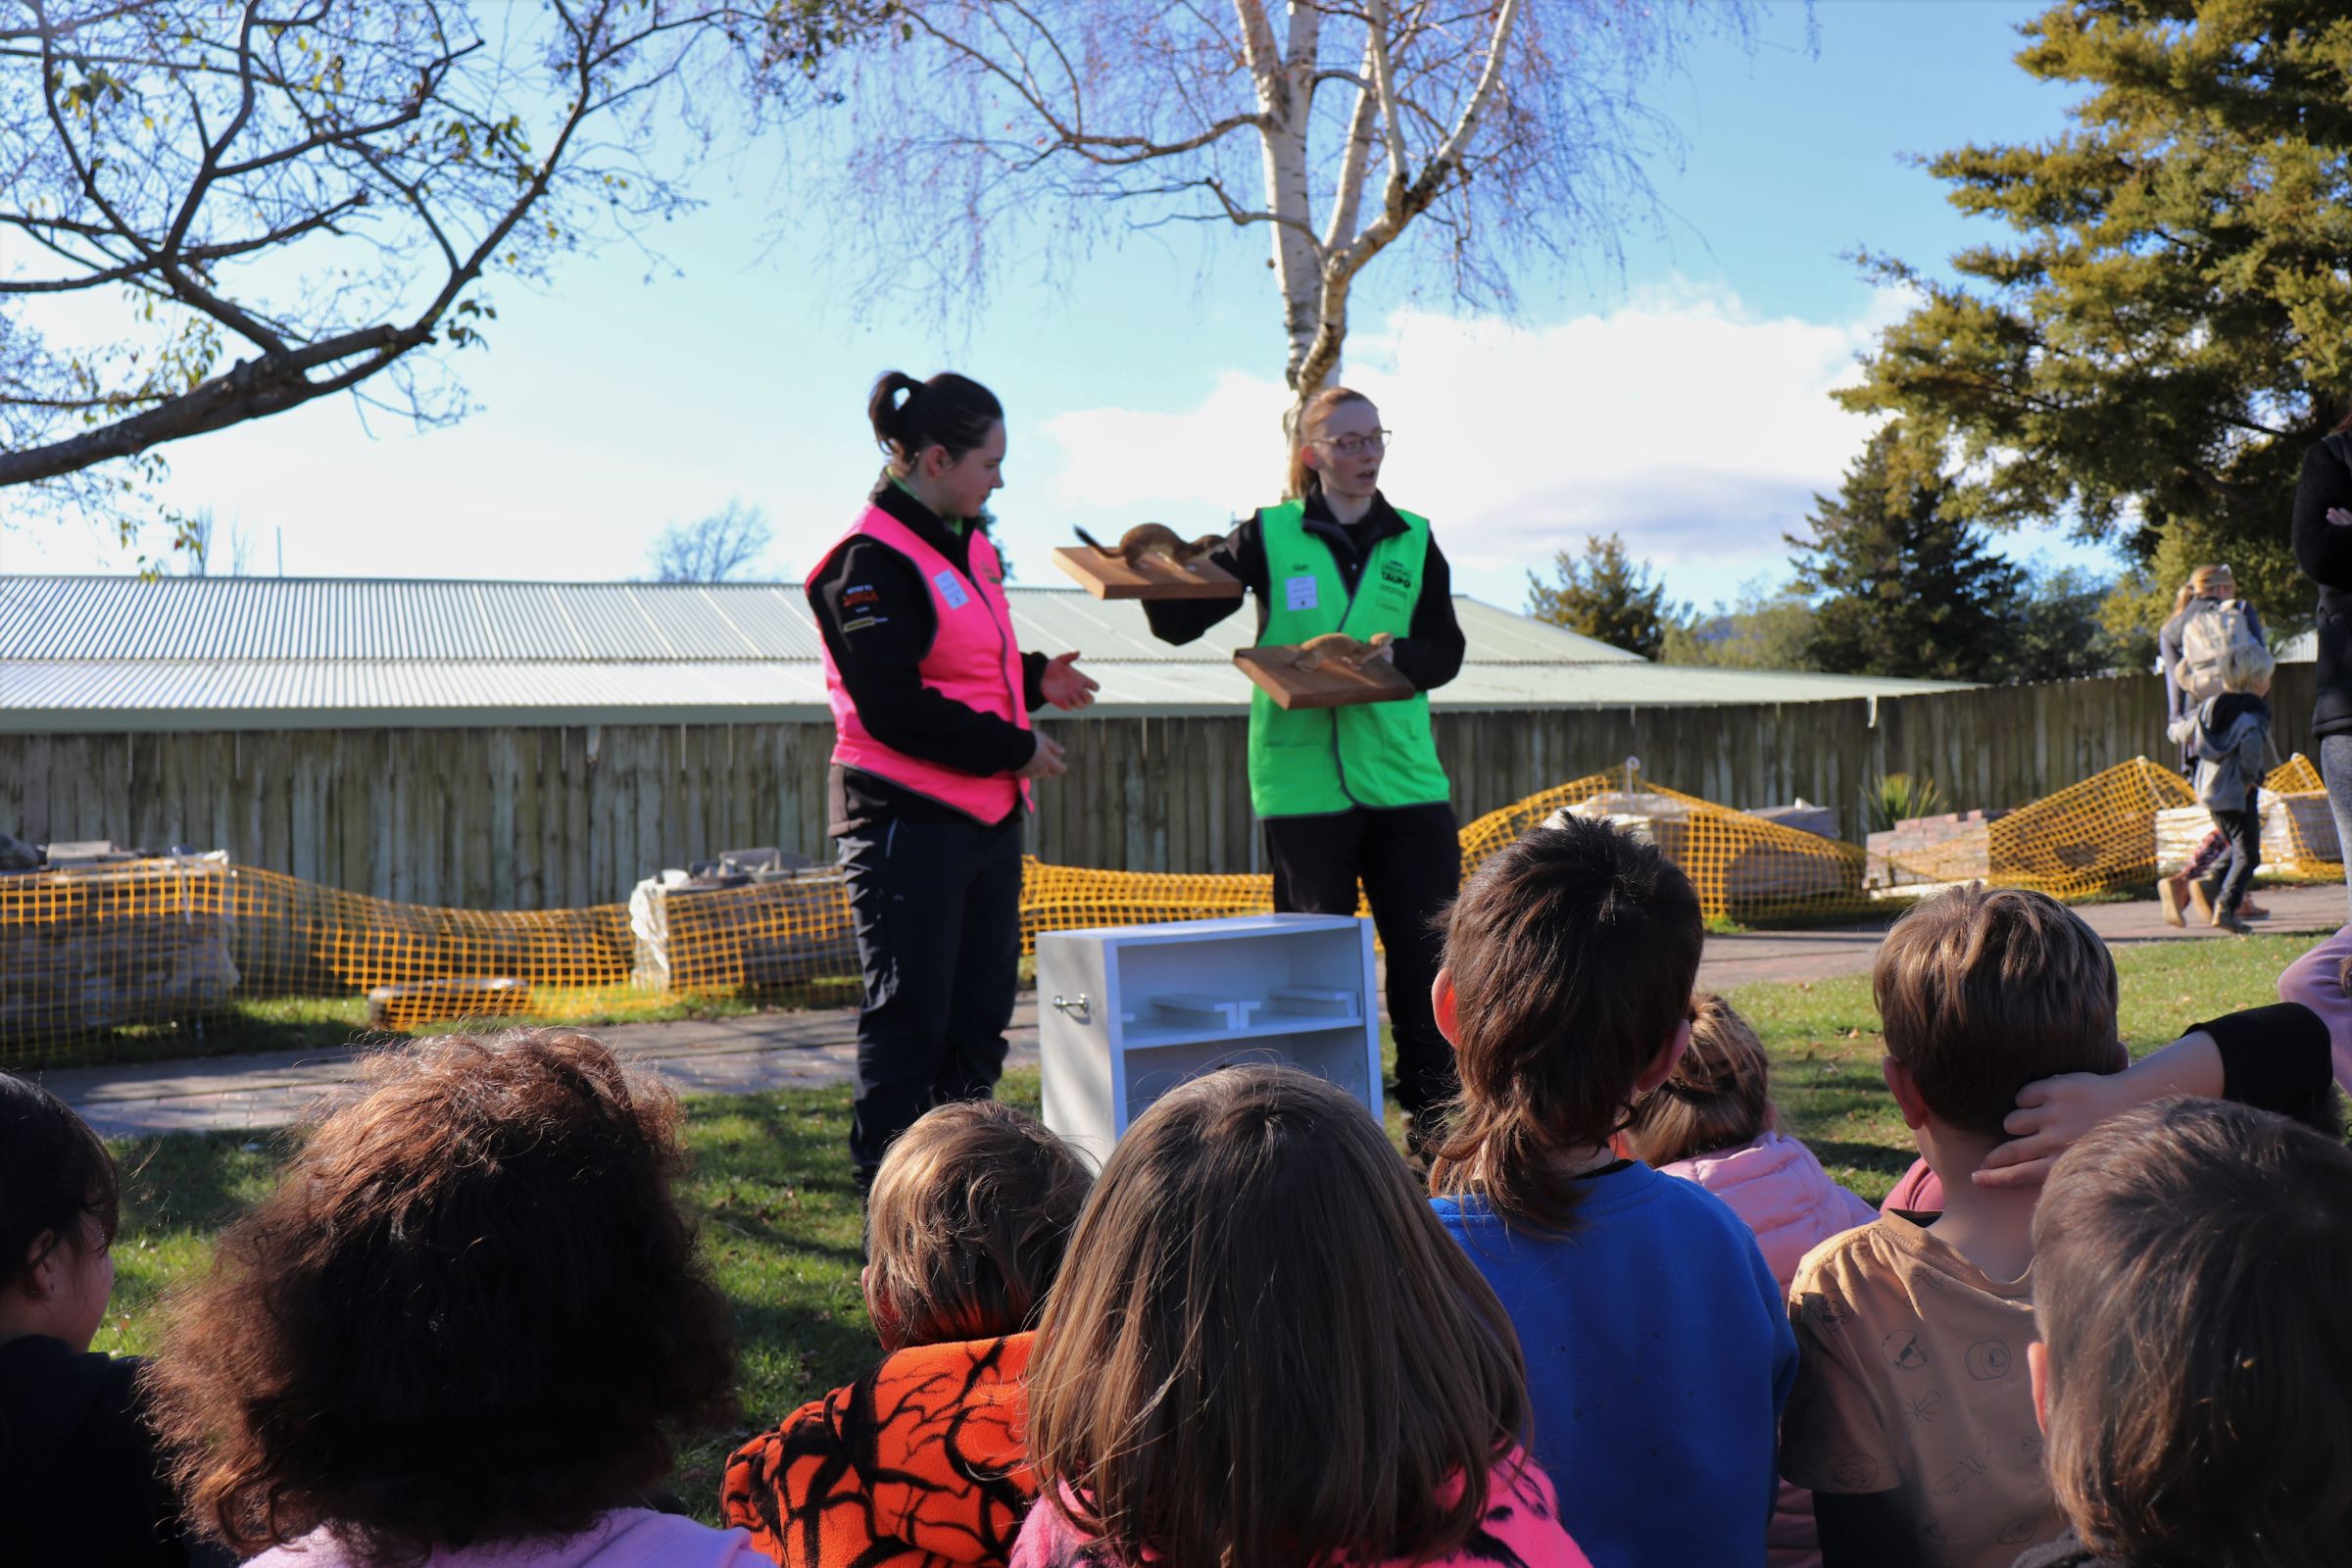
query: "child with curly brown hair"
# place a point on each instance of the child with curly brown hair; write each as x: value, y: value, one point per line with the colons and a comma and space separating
x: 924, y: 1458
x: 467, y: 1325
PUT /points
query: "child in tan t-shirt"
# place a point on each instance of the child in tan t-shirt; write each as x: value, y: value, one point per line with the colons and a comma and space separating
x: 1912, y: 1419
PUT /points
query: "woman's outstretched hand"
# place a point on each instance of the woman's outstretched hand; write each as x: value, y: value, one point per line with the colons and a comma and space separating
x: 1065, y: 686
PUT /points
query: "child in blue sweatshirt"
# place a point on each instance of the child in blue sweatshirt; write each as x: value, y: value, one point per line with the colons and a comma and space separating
x: 1658, y: 1354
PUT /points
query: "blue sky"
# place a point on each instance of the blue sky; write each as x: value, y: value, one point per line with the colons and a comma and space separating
x: 1679, y: 400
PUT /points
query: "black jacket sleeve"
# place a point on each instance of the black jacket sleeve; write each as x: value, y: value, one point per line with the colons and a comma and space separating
x: 2323, y: 549
x: 876, y: 618
x: 1243, y: 555
x: 1033, y: 681
x: 1430, y: 653
x: 2278, y: 1059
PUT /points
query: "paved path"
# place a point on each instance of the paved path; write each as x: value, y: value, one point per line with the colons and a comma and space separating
x: 809, y: 1049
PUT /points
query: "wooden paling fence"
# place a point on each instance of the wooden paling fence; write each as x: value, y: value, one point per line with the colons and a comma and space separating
x: 539, y: 819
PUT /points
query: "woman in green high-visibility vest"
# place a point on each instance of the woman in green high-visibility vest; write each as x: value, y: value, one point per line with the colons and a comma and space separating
x: 1352, y: 792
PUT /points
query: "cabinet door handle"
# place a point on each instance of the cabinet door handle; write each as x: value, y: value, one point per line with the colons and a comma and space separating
x: 1075, y: 1006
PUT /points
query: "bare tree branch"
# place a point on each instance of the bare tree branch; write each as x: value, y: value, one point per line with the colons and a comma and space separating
x: 334, y: 183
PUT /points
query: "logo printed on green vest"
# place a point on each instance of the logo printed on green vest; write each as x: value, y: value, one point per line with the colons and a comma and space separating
x: 1317, y: 761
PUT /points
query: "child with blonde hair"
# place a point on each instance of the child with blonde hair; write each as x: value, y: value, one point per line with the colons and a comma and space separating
x: 1712, y: 1122
x: 1266, y: 1353
x: 924, y: 1457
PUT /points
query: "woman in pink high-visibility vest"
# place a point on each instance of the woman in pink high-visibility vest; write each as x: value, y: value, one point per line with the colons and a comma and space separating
x: 933, y: 755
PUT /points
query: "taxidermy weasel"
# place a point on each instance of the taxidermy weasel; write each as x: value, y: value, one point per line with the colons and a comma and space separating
x: 1152, y: 539
x: 1338, y: 647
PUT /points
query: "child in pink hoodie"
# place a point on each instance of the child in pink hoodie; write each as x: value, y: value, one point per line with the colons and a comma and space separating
x: 1711, y: 1122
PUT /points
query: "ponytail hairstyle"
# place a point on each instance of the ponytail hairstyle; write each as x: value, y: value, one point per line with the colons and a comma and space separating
x: 1718, y: 1096
x: 951, y: 411
x: 2200, y: 584
x: 1305, y: 481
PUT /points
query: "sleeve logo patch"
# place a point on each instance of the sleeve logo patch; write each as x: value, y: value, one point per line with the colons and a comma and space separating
x: 950, y: 591
x: 859, y: 595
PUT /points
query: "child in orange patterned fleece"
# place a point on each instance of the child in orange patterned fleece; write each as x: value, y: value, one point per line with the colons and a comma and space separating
x: 924, y: 1457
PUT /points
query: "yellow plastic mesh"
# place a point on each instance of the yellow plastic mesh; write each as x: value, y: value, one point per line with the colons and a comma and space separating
x: 151, y: 944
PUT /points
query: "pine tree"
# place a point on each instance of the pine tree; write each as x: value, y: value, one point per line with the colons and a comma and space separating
x: 1906, y: 587
x: 1604, y: 595
x: 2169, y: 331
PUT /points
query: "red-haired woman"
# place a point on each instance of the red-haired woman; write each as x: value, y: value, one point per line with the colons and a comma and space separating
x: 1353, y: 794
x: 933, y: 755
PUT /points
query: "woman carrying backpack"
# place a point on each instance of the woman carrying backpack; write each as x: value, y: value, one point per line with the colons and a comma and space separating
x: 2322, y: 539
x: 2208, y: 602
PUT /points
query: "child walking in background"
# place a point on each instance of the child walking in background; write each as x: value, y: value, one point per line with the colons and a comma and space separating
x: 1263, y: 1350
x: 1711, y: 1122
x: 2228, y: 736
x: 1658, y: 1354
x: 2194, y: 1259
x: 922, y: 1458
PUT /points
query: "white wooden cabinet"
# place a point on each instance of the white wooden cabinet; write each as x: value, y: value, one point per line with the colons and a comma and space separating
x: 1126, y: 1014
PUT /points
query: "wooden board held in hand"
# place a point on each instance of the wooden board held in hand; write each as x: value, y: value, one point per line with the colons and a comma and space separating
x: 1108, y: 576
x: 1329, y: 685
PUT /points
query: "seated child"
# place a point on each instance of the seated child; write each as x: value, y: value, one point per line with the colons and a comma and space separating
x: 1711, y: 1122
x: 79, y: 1477
x: 2192, y: 1261
x: 922, y: 1457
x: 2228, y: 736
x: 1911, y: 1421
x: 1658, y: 1352
x: 467, y: 1325
x: 1263, y: 1349
x: 2277, y: 1058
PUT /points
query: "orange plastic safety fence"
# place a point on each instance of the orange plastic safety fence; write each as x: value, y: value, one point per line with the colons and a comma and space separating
x: 172, y: 942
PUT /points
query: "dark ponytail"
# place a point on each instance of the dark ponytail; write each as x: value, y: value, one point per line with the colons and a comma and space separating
x: 951, y: 411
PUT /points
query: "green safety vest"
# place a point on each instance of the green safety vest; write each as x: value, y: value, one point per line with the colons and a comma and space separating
x: 1317, y: 761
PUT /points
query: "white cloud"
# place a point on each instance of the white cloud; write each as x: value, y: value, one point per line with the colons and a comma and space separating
x: 1693, y: 427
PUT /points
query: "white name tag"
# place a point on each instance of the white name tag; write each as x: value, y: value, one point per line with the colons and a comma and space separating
x: 1298, y: 593
x: 951, y: 589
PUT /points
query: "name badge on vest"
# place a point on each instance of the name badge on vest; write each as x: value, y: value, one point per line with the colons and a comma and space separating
x: 1298, y: 593
x: 949, y: 589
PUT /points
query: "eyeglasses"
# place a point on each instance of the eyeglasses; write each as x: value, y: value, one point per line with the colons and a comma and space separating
x: 1350, y: 446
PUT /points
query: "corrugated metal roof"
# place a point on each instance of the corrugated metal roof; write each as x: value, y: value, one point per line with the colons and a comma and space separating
x: 89, y: 654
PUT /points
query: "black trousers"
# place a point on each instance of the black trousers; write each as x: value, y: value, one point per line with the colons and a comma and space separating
x: 2243, y: 830
x: 1410, y: 862
x: 937, y: 912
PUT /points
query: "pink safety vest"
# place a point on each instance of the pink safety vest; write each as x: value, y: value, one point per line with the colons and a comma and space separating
x: 973, y: 661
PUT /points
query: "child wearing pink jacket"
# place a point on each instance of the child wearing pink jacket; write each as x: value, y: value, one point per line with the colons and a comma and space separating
x: 1711, y: 1123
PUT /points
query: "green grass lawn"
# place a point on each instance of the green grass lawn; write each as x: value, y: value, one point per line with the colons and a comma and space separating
x: 771, y: 1185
